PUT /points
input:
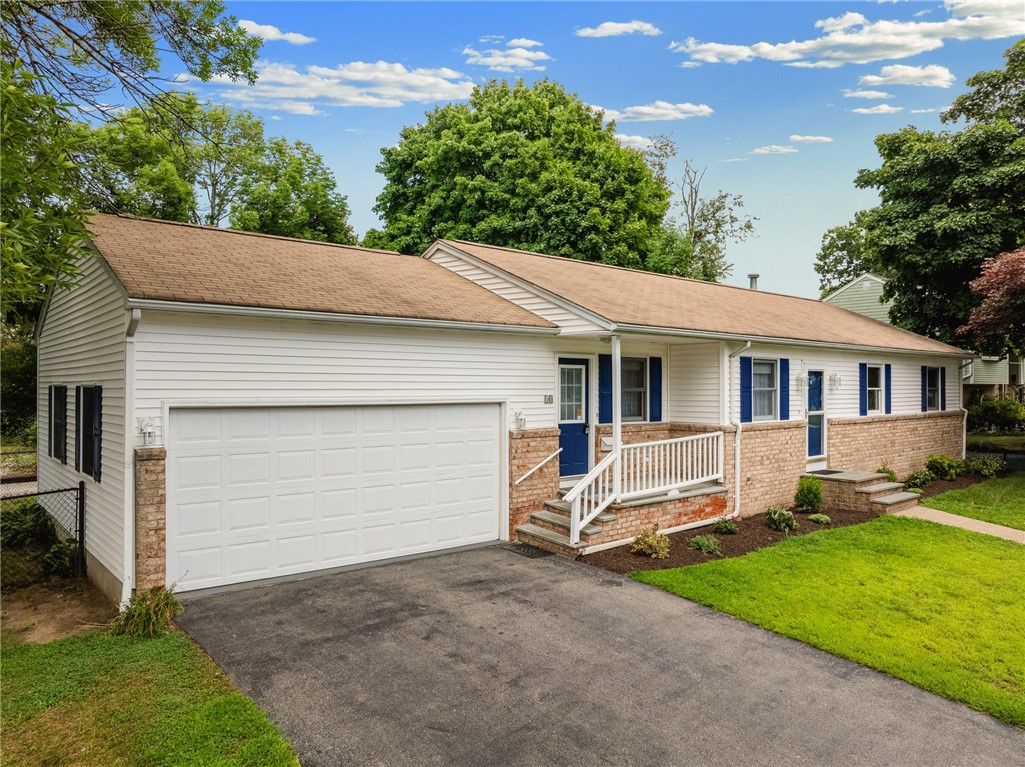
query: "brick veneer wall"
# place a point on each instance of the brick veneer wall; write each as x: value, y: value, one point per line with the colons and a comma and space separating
x: 150, y: 517
x: 631, y: 520
x: 527, y: 448
x: 772, y: 459
x: 902, y: 442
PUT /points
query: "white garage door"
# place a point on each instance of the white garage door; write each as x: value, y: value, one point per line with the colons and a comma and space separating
x: 261, y: 492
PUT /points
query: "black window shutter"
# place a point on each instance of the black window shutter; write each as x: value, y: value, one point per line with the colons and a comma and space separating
x: 97, y: 435
x: 78, y: 428
x: 51, y: 445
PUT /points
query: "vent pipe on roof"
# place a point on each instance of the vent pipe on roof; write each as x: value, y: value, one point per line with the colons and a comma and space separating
x: 754, y: 281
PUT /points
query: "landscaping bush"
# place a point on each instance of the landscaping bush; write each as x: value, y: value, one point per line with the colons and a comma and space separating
x: 819, y: 519
x: 725, y: 527
x: 61, y: 560
x: 809, y: 494
x: 27, y: 524
x: 944, y: 467
x: 891, y: 475
x: 778, y: 518
x: 915, y: 490
x: 650, y: 542
x: 1000, y: 414
x: 984, y: 465
x: 147, y: 614
x: 918, y: 479
x: 707, y: 544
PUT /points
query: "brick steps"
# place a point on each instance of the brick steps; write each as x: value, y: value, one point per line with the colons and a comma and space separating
x: 864, y: 491
x: 548, y: 540
x: 559, y: 523
x: 897, y: 501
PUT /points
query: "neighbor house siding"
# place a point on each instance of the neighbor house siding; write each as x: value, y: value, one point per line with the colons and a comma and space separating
x: 990, y: 372
x: 694, y: 371
x: 82, y: 343
x: 863, y: 296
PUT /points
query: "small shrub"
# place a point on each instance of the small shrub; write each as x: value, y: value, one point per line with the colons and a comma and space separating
x: 707, y: 544
x: 915, y: 490
x: 61, y: 560
x: 725, y: 527
x: 27, y: 525
x: 1000, y: 414
x: 778, y: 518
x: 917, y: 480
x: 809, y: 494
x: 984, y: 465
x: 944, y: 467
x: 147, y: 614
x: 652, y: 543
x: 891, y: 475
x: 819, y: 519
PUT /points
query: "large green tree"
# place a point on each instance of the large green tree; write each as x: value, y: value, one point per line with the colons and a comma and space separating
x: 522, y: 166
x: 949, y: 201
x: 843, y: 256
x: 77, y: 56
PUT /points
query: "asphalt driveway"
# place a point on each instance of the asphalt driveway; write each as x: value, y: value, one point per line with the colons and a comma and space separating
x: 486, y: 657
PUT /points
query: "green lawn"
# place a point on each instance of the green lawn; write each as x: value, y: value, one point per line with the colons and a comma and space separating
x: 1000, y: 501
x: 937, y: 606
x: 96, y: 699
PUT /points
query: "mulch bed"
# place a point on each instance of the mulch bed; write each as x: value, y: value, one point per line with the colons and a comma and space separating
x: 938, y: 486
x: 752, y: 534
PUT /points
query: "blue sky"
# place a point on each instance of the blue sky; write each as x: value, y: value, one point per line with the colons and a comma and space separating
x: 780, y: 101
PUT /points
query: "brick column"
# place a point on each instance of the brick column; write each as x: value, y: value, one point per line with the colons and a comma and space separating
x: 527, y: 448
x: 150, y: 517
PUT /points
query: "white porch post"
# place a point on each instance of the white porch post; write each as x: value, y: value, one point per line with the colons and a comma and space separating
x: 617, y: 416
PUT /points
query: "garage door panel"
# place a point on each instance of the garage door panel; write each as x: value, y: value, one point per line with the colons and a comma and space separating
x: 264, y: 492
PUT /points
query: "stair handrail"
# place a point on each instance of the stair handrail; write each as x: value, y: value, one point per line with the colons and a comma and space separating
x: 546, y: 460
x: 585, y: 488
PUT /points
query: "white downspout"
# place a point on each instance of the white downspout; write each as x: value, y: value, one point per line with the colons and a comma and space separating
x: 963, y: 409
x: 740, y: 428
x: 128, y: 581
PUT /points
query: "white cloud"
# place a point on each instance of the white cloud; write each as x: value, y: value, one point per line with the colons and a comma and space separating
x: 659, y: 110
x: 489, y: 39
x: 736, y: 159
x: 367, y: 84
x: 508, y: 60
x: 524, y: 42
x: 634, y: 142
x: 774, y: 149
x: 270, y: 32
x: 810, y: 139
x: 852, y: 94
x: 852, y: 38
x: 275, y: 117
x: 878, y: 109
x: 691, y: 64
x: 923, y: 111
x: 618, y: 28
x: 932, y: 76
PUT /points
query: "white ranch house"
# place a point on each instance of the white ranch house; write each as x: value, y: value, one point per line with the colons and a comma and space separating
x: 245, y: 407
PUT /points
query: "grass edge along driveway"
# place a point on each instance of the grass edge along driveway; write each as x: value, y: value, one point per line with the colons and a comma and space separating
x: 97, y: 699
x: 1000, y: 501
x: 936, y: 606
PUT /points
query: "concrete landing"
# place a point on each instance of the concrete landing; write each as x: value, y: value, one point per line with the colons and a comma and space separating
x: 965, y: 523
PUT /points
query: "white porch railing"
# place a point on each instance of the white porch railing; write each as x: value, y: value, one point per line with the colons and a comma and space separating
x: 645, y: 468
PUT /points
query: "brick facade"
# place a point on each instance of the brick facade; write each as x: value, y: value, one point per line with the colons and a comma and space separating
x: 901, y: 442
x: 527, y: 448
x: 674, y: 512
x: 773, y: 456
x: 150, y: 517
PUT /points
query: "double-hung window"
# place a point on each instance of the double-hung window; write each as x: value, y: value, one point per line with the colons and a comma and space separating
x: 89, y: 430
x: 58, y: 447
x: 875, y: 389
x: 763, y: 390
x: 932, y: 389
x: 635, y: 388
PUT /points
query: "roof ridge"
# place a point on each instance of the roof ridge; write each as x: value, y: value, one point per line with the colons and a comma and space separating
x: 228, y: 230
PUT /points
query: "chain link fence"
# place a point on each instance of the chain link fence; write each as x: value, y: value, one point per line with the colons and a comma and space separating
x: 42, y: 535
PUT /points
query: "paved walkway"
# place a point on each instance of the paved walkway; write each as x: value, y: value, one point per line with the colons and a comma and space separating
x: 965, y: 523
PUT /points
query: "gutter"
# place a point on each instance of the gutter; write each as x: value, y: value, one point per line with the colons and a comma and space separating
x: 737, y: 434
x: 363, y: 319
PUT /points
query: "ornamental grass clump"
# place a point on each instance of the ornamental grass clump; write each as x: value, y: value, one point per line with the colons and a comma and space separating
x: 706, y: 544
x: 147, y: 614
x: 652, y: 543
x: 819, y: 519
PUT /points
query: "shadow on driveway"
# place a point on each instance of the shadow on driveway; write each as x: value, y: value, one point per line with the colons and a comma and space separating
x: 486, y: 657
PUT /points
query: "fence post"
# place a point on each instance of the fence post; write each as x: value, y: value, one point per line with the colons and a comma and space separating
x: 81, y: 528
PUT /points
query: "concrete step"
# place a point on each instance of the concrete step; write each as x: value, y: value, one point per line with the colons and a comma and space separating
x: 559, y: 523
x: 880, y: 487
x: 548, y: 540
x: 897, y: 501
x: 563, y: 507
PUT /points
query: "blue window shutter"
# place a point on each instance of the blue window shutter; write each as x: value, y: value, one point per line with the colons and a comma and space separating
x: 745, y: 390
x: 654, y: 389
x: 887, y: 381
x: 925, y: 388
x: 943, y: 388
x: 604, y: 388
x: 863, y: 388
x: 784, y: 389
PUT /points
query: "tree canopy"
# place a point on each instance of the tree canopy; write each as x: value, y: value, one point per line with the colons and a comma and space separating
x: 998, y: 323
x: 843, y: 256
x: 949, y: 201
x: 522, y: 166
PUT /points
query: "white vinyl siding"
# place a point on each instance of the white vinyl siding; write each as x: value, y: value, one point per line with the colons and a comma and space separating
x: 82, y: 343
x: 694, y: 386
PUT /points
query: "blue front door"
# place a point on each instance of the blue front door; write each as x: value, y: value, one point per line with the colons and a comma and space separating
x: 816, y: 414
x: 573, y: 417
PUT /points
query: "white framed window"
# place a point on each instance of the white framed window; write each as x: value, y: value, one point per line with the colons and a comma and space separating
x: 58, y: 447
x: 764, y: 390
x: 932, y: 389
x: 875, y: 395
x: 571, y: 393
x: 634, y: 380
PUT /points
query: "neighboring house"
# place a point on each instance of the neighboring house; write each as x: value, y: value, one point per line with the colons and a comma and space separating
x: 243, y: 406
x: 993, y: 376
x: 863, y: 295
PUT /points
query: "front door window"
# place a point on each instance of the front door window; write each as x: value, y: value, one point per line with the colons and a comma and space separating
x: 571, y: 393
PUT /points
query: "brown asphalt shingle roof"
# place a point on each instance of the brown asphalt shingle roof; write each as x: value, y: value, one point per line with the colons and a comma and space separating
x: 631, y: 297
x: 197, y: 264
